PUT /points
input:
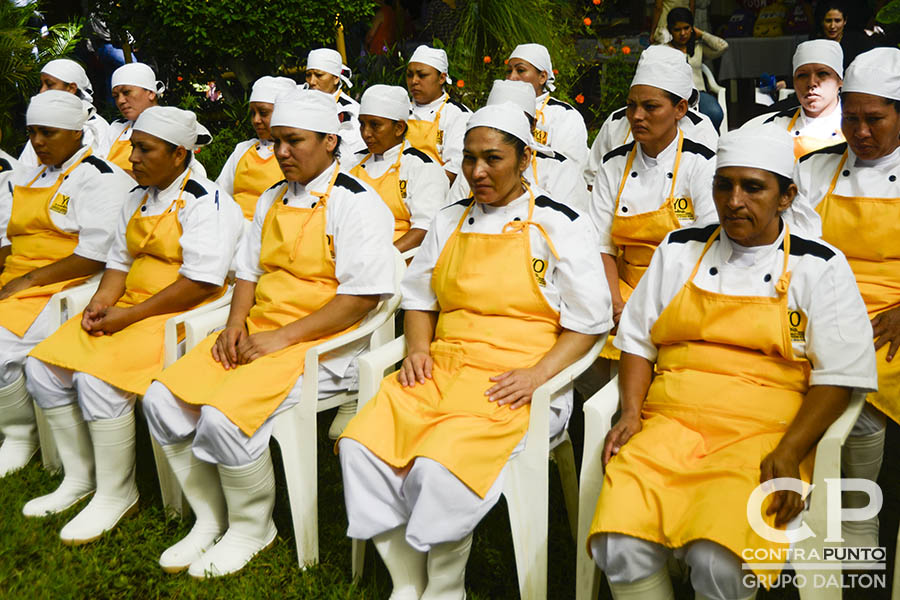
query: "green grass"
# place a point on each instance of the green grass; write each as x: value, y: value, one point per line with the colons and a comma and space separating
x: 35, y: 564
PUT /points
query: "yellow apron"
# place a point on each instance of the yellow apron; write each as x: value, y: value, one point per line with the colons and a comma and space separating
x: 637, y: 236
x: 541, y: 135
x: 864, y: 229
x: 803, y: 145
x: 427, y: 135
x: 252, y: 176
x: 36, y: 243
x: 298, y: 279
x: 128, y: 359
x: 722, y: 398
x: 120, y: 150
x: 392, y: 190
x: 493, y: 319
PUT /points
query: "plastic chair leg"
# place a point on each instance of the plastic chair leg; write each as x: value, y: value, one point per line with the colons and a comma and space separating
x: 587, y: 575
x: 49, y: 453
x: 358, y: 560
x: 527, y: 499
x: 564, y: 456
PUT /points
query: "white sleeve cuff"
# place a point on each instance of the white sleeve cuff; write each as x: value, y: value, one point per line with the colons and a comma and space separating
x: 247, y: 276
x: 202, y: 276
x: 647, y: 351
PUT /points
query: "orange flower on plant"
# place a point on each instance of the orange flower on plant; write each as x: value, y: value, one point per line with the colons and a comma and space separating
x: 579, y: 98
x: 180, y: 78
x: 626, y: 50
x: 460, y: 83
x: 597, y: 2
x: 506, y: 61
x: 612, y: 49
x: 487, y: 59
x: 587, y: 21
x: 555, y: 72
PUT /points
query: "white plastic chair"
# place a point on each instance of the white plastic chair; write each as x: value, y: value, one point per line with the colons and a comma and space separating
x: 295, y: 429
x: 713, y: 87
x: 526, y: 485
x: 598, y: 415
x: 784, y: 93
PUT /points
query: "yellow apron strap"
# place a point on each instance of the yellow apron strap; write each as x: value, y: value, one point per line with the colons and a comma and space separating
x: 121, y: 133
x: 36, y: 177
x: 794, y: 120
x: 516, y: 226
x: 534, y: 167
x: 709, y: 243
x: 625, y: 177
x: 437, y: 115
x: 321, y: 203
x: 677, y: 164
x: 177, y: 201
x: 627, y: 133
x: 540, y: 111
x: 785, y: 280
x: 837, y: 174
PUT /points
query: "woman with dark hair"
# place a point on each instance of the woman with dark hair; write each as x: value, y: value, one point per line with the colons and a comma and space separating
x: 698, y: 45
x: 834, y: 21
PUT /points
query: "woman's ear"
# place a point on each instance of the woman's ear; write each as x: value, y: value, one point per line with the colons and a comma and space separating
x: 526, y: 159
x: 787, y: 198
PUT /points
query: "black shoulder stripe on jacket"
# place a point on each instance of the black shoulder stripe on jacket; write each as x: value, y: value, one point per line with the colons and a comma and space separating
x: 345, y: 181
x: 692, y: 234
x: 463, y: 202
x: 836, y: 149
x: 195, y: 188
x: 137, y: 187
x: 620, y: 151
x: 416, y: 152
x: 619, y: 114
x: 697, y: 148
x: 460, y: 105
x: 802, y: 247
x: 545, y: 202
x: 555, y: 102
x: 98, y: 163
x: 693, y: 117
x: 4, y: 165
x: 276, y: 184
x: 343, y: 101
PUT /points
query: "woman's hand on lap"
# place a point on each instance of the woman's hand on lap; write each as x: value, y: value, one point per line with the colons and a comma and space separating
x: 621, y: 432
x: 416, y: 368
x: 224, y: 351
x: 515, y: 387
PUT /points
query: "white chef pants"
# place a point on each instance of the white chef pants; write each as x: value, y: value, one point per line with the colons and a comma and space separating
x: 53, y: 386
x: 14, y: 349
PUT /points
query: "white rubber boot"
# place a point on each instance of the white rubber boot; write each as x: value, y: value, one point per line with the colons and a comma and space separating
x: 345, y: 412
x: 446, y: 567
x: 655, y: 587
x: 861, y: 458
x: 199, y: 481
x: 405, y: 564
x: 17, y: 424
x: 117, y: 495
x: 250, y: 497
x: 73, y: 440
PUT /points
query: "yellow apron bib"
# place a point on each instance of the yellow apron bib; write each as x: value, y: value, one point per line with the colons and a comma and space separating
x: 36, y: 243
x: 427, y: 135
x: 493, y: 318
x: 391, y: 190
x: 722, y: 398
x: 128, y: 359
x: 120, y: 150
x: 252, y: 176
x: 864, y: 229
x: 298, y: 279
x: 541, y: 136
x: 637, y: 236
x: 803, y: 145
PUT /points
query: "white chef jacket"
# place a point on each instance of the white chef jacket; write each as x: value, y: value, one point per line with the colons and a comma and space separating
x: 211, y: 223
x: 834, y: 332
x: 566, y: 131
x: 95, y: 131
x: 826, y: 127
x: 96, y: 190
x: 616, y: 131
x: 362, y: 229
x: 121, y: 130
x: 454, y: 117
x: 348, y: 112
x: 426, y: 187
x: 648, y: 185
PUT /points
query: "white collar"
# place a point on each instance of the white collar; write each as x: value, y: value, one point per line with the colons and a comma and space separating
x: 319, y: 183
x: 540, y: 99
x: 509, y: 208
x: 889, y: 161
x: 832, y: 118
x: 71, y: 161
x: 264, y: 143
x: 390, y: 155
x: 661, y: 158
x: 173, y: 189
x: 431, y: 105
x: 746, y: 256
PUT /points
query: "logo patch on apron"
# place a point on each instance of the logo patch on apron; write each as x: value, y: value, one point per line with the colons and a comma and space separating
x: 797, y: 325
x: 330, y: 240
x: 684, y: 209
x: 539, y: 267
x: 403, y: 183
x: 60, y: 204
x: 540, y: 136
x: 440, y: 136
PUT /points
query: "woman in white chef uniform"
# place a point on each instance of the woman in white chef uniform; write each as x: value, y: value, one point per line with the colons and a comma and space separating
x: 437, y: 123
x: 818, y: 73
x: 549, y: 170
x: 421, y: 511
x: 68, y: 76
x: 56, y: 222
x: 326, y: 72
x: 850, y: 194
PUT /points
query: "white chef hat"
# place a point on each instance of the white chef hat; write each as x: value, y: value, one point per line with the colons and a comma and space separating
x: 433, y: 57
x: 70, y: 71
x: 665, y: 68
x: 267, y: 88
x: 506, y: 117
x: 519, y: 93
x: 824, y: 52
x: 767, y: 147
x: 174, y: 125
x: 330, y: 61
x: 311, y: 110
x: 539, y: 58
x: 137, y: 74
x: 875, y: 72
x: 55, y: 108
x: 388, y: 101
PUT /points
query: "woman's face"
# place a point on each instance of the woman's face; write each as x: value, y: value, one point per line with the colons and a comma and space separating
x: 132, y: 100
x: 424, y: 82
x: 322, y: 81
x: 260, y: 117
x: 522, y: 70
x: 491, y: 166
x: 379, y: 133
x: 49, y: 82
x: 833, y: 24
x: 681, y: 33
x: 302, y: 154
x: 817, y: 88
x: 749, y: 204
x: 153, y: 160
x: 651, y: 114
x: 870, y: 125
x: 53, y: 145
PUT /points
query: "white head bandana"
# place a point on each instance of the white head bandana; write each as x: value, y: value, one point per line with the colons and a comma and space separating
x: 823, y: 52
x: 876, y: 72
x: 433, y: 57
x: 330, y: 61
x: 55, y: 108
x: 387, y: 101
x: 539, y: 58
x: 137, y: 74
x: 665, y: 68
x: 311, y: 110
x: 519, y: 93
x: 505, y: 117
x: 267, y: 88
x: 69, y: 71
x: 767, y: 147
x: 174, y: 125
